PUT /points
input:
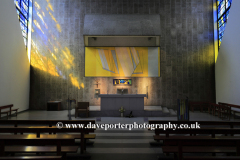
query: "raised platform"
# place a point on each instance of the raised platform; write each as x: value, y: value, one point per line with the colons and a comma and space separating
x: 149, y: 111
x: 122, y: 95
x: 146, y: 108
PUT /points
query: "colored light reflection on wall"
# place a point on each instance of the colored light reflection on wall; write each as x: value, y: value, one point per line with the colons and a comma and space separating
x: 37, y: 6
x: 59, y: 28
x: 37, y: 59
x: 57, y: 24
x: 54, y: 56
x: 41, y: 62
x: 55, y: 49
x: 50, y: 6
x: 74, y: 81
x: 38, y: 25
x: 68, y: 55
x: 53, y: 18
x: 52, y: 68
x: 40, y: 16
x: 82, y: 85
x: 48, y: 54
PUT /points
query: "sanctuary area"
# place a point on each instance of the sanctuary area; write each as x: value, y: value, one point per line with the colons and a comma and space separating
x: 119, y: 79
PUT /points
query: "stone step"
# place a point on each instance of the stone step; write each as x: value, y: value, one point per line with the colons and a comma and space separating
x: 152, y: 108
x: 175, y: 111
x: 172, y: 112
x: 165, y: 110
x: 94, y: 108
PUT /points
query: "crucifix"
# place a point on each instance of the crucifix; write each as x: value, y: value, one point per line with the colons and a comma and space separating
x: 97, y: 83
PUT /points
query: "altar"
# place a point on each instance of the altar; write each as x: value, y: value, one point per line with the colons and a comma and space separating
x: 111, y: 103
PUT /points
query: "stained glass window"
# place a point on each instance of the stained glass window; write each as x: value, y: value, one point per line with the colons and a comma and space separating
x: 223, y: 8
x: 22, y: 7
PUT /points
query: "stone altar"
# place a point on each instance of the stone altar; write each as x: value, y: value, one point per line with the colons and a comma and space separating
x: 111, y: 103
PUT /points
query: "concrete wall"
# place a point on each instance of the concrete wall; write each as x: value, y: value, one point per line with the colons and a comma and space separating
x: 227, y: 65
x: 187, y: 55
x: 14, y: 63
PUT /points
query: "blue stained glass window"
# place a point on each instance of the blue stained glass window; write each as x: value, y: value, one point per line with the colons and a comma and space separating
x: 22, y: 7
x: 24, y: 29
x: 17, y: 3
x: 228, y: 4
x: 25, y: 41
x: 24, y: 12
x: 223, y: 7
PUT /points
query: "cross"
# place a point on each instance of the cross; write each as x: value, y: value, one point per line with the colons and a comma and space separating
x: 97, y: 83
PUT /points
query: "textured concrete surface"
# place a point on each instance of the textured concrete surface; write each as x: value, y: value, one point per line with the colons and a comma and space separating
x: 122, y: 25
x: 187, y: 57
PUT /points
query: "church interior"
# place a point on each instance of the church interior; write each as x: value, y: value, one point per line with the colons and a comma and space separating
x: 119, y: 79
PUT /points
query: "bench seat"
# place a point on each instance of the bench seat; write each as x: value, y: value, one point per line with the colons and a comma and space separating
x: 8, y: 112
x: 16, y: 109
x: 201, y: 105
x: 211, y: 157
x: 5, y: 112
x: 178, y: 136
x: 235, y: 109
x: 90, y: 136
x: 73, y: 136
x: 5, y: 107
x: 78, y: 136
x: 50, y: 128
x: 40, y: 149
x: 32, y: 157
x: 199, y: 149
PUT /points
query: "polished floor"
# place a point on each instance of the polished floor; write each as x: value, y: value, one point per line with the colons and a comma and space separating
x: 156, y: 108
x: 118, y: 144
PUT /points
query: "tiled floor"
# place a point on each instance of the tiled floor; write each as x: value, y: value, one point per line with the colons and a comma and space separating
x: 118, y: 144
x: 62, y: 115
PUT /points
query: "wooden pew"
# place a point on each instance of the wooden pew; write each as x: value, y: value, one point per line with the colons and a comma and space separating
x: 30, y: 144
x: 45, y: 129
x: 211, y: 107
x: 234, y: 108
x: 41, y: 149
x: 201, y: 105
x: 32, y: 158
x: 8, y: 112
x: 211, y: 157
x: 221, y: 110
x: 202, y: 131
x: 50, y: 123
x: 201, y: 144
x: 70, y: 136
x: 226, y: 124
x: 211, y: 131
